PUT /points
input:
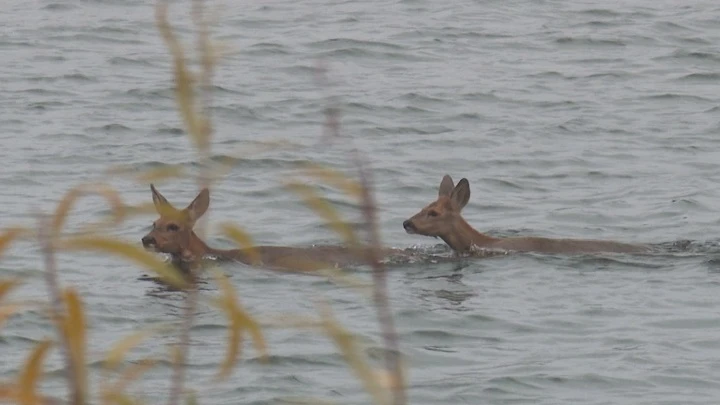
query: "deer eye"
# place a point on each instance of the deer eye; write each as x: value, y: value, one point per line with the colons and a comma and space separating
x: 433, y: 214
x: 172, y: 228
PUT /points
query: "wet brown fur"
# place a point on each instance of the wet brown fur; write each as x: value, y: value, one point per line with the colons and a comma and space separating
x: 173, y: 234
x: 442, y: 218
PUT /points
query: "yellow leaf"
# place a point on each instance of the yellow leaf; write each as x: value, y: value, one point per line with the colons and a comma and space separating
x: 117, y: 353
x: 120, y: 399
x: 153, y: 175
x: 238, y: 320
x: 119, y: 170
x: 161, y: 173
x: 234, y: 347
x: 243, y: 239
x: 234, y: 341
x: 305, y: 401
x: 7, y: 310
x: 291, y: 321
x: 7, y: 285
x: 144, y: 208
x: 8, y: 393
x: 27, y: 384
x: 336, y: 179
x: 192, y: 398
x: 75, y: 328
x: 128, y: 376
x: 323, y: 208
x: 255, y: 333
x: 346, y: 343
x: 10, y: 235
x: 132, y: 252
x: 184, y: 91
x: 342, y: 278
x: 69, y: 199
x: 129, y: 211
x: 388, y: 380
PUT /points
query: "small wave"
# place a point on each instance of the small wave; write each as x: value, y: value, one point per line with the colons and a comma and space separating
x: 696, y: 41
x: 687, y: 54
x: 389, y: 110
x: 124, y: 61
x: 237, y: 111
x: 94, y: 39
x: 427, y: 130
x: 479, y: 96
x: 441, y: 334
x: 111, y: 128
x: 72, y: 136
x: 345, y: 43
x: 46, y: 92
x: 467, y: 116
x: 44, y: 105
x: 597, y: 61
x: 504, y: 184
x: 361, y: 53
x: 549, y: 74
x: 613, y: 75
x: 304, y: 70
x: 714, y: 77
x: 264, y: 48
x: 77, y: 77
x: 315, y: 359
x: 675, y: 96
x: 671, y: 25
x: 14, y: 340
x: 144, y: 94
x: 60, y: 7
x: 597, y: 24
x: 110, y: 26
x: 417, y: 97
x: 564, y: 104
x: 7, y: 43
x: 170, y: 131
x: 589, y: 41
x: 257, y: 163
x: 470, y: 34
x: 221, y: 89
x: 48, y: 58
x: 361, y: 106
x: 601, y: 12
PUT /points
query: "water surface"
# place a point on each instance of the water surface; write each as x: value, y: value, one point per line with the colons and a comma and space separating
x: 569, y: 119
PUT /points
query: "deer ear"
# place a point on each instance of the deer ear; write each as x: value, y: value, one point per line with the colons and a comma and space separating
x: 199, y: 205
x: 461, y: 194
x: 161, y: 203
x: 446, y: 186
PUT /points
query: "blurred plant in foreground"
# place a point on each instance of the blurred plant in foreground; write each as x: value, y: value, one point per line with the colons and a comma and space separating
x: 66, y: 308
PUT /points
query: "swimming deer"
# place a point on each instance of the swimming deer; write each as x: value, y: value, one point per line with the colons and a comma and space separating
x: 173, y: 234
x: 442, y: 218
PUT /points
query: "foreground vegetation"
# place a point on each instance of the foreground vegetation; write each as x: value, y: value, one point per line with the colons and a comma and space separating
x: 67, y: 309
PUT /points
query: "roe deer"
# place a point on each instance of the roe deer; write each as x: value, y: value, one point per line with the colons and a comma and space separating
x: 173, y: 234
x: 442, y: 219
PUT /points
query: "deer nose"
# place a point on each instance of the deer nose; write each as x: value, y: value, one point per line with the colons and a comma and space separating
x: 148, y: 240
x: 408, y: 225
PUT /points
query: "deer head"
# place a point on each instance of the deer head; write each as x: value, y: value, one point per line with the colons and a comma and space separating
x: 441, y: 217
x: 172, y: 233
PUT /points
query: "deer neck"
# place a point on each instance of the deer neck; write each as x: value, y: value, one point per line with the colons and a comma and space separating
x: 463, y: 236
x: 198, y: 248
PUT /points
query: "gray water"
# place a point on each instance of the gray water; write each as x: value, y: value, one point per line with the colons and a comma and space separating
x: 569, y: 118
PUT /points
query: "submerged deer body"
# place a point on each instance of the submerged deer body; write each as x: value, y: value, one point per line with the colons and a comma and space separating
x: 442, y: 218
x: 173, y: 234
